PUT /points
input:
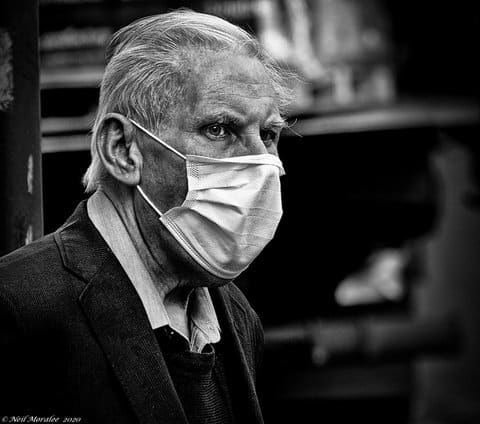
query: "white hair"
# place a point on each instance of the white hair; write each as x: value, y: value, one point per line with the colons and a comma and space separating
x: 146, y: 74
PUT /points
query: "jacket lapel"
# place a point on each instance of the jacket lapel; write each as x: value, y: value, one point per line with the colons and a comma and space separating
x: 246, y: 396
x: 119, y: 322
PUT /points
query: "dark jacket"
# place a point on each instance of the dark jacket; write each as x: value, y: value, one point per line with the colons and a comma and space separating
x: 75, y: 340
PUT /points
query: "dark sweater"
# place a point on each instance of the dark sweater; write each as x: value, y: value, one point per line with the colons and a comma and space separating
x: 199, y: 379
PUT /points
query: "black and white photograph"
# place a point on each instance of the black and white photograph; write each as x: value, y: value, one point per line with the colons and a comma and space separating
x: 239, y: 211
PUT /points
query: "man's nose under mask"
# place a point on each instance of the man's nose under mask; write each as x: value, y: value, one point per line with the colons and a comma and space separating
x: 231, y: 211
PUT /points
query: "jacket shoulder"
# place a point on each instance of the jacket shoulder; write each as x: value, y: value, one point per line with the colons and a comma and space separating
x: 36, y: 258
x: 34, y: 279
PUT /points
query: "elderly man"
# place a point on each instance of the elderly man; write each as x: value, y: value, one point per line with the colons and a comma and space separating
x: 127, y: 313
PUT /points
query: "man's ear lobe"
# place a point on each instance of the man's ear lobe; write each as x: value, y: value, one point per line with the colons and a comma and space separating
x: 118, y: 149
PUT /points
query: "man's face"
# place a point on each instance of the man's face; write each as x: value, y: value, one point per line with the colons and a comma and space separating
x: 229, y: 110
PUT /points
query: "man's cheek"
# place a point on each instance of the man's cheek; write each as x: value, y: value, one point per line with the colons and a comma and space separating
x: 178, y: 184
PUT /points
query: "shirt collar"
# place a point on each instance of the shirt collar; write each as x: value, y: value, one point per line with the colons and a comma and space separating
x: 203, y: 319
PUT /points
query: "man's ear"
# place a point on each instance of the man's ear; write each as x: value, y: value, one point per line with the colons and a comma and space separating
x: 118, y: 150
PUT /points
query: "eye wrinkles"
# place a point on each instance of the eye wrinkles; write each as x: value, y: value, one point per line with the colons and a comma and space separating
x: 229, y: 127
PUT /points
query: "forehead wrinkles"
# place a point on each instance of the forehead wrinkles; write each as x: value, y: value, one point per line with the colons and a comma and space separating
x: 244, y: 89
x: 242, y: 74
x: 217, y: 74
x: 235, y: 97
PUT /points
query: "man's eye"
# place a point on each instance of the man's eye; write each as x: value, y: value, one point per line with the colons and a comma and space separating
x: 268, y: 136
x: 217, y: 131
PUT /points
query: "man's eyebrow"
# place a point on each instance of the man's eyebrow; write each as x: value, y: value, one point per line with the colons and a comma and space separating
x: 222, y: 116
x: 232, y: 117
x: 277, y: 123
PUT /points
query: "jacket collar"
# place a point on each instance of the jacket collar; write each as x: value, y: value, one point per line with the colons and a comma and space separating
x: 117, y: 318
x: 246, y: 396
x: 119, y: 321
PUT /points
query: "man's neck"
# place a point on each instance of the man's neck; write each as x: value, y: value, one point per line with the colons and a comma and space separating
x: 172, y: 289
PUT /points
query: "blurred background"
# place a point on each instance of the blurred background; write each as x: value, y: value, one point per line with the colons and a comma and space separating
x: 370, y: 292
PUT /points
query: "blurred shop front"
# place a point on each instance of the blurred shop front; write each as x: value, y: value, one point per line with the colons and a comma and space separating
x: 369, y: 292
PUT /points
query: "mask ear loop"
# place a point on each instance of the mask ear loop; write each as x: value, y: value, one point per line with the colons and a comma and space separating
x: 167, y: 146
x: 149, y: 201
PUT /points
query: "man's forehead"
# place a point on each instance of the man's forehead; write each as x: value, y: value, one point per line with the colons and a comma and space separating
x: 234, y: 74
x: 230, y: 63
x: 232, y: 82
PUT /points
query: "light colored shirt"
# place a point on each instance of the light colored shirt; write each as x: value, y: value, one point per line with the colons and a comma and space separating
x: 203, y: 322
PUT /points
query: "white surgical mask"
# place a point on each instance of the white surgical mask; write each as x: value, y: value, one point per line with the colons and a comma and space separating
x: 231, y: 211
